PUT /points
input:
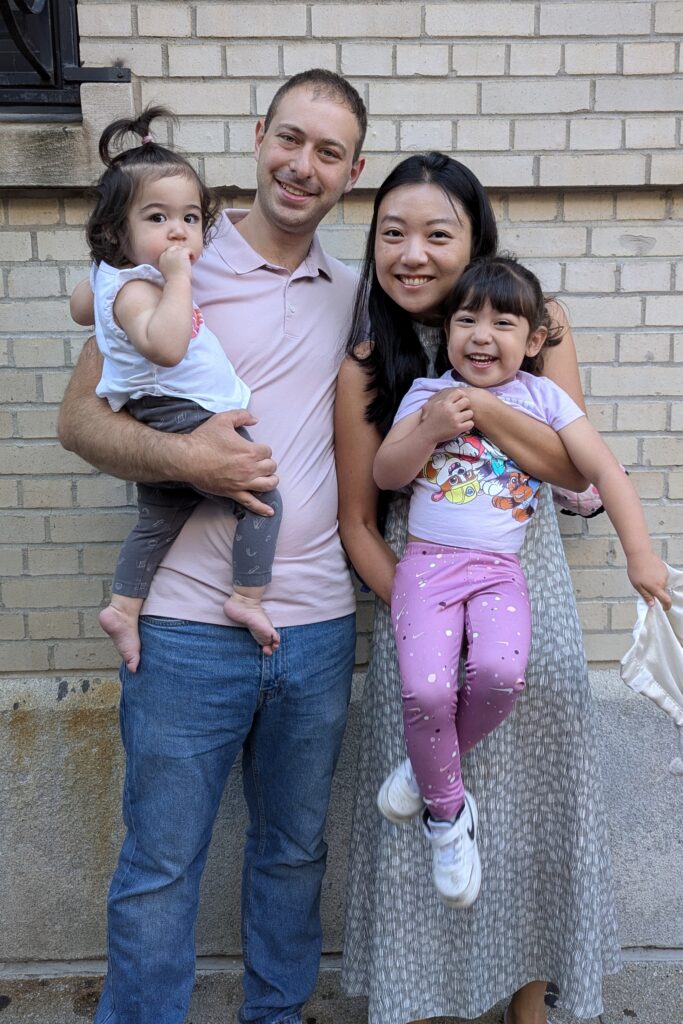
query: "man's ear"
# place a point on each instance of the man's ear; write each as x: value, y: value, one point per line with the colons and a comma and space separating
x: 356, y: 169
x: 536, y: 340
x: 259, y: 132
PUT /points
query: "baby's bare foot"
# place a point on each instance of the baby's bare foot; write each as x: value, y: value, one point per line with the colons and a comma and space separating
x: 122, y: 627
x: 249, y: 612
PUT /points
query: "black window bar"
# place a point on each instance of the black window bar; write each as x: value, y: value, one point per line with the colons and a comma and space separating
x: 40, y: 75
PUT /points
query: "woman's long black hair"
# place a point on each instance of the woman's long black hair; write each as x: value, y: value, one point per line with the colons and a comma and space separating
x: 396, y: 356
x: 107, y: 227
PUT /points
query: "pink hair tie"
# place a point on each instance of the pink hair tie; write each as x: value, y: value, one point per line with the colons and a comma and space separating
x: 146, y: 138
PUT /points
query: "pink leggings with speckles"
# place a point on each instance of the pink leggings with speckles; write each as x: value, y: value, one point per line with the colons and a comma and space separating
x: 439, y: 593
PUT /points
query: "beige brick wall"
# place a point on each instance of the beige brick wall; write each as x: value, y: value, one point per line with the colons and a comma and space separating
x: 61, y: 522
x: 552, y: 78
x: 582, y: 99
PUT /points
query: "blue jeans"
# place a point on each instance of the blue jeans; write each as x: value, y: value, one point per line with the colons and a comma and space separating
x: 201, y: 694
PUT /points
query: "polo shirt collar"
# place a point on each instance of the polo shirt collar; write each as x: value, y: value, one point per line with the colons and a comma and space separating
x: 236, y: 252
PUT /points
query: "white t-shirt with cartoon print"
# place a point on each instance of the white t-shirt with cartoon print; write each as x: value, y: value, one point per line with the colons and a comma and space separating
x: 470, y: 494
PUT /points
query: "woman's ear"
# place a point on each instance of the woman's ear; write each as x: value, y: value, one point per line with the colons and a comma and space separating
x: 536, y: 341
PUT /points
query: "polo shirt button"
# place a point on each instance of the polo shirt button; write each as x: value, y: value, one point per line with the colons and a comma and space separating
x: 291, y: 309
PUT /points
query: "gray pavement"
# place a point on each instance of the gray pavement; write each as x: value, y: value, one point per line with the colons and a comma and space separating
x: 649, y: 992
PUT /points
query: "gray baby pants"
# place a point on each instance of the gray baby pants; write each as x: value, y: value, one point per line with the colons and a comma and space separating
x: 164, y: 508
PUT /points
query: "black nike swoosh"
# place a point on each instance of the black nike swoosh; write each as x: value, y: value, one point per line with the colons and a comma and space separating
x: 470, y: 830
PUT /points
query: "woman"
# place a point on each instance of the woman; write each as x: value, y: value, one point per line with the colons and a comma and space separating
x: 544, y: 914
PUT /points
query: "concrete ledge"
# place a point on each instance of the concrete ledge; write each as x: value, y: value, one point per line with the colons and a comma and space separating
x: 60, y: 782
x: 63, y: 155
x: 60, y: 779
x: 61, y: 771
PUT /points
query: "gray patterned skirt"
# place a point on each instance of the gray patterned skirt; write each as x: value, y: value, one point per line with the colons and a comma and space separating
x: 545, y: 910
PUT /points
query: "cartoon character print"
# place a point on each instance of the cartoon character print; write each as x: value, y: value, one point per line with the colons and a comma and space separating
x: 470, y: 466
x: 464, y: 467
x: 481, y: 454
x: 197, y: 320
x: 522, y: 490
x: 459, y: 487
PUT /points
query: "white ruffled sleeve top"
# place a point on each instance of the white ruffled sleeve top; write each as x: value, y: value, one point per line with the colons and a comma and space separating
x: 205, y: 375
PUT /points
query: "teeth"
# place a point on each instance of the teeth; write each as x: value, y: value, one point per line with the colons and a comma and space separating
x: 293, y: 190
x: 415, y: 280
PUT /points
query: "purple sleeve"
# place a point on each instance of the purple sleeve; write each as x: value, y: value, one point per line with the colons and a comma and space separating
x: 420, y: 391
x: 557, y: 408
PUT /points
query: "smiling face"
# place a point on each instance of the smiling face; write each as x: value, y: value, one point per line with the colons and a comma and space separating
x: 487, y: 347
x: 423, y: 244
x: 305, y: 160
x: 165, y: 211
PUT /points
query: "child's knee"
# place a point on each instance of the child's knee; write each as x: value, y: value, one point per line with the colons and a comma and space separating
x: 514, y: 685
x: 501, y: 665
x: 509, y: 680
x: 428, y: 703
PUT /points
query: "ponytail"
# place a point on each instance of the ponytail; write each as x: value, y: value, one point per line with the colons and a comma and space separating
x: 107, y: 227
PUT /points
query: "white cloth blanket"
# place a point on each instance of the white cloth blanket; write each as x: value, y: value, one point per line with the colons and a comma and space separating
x: 653, y: 665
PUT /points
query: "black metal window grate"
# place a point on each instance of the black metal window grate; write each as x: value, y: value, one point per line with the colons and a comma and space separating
x: 40, y: 75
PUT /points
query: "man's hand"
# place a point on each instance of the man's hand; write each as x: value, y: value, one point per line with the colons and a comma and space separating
x: 220, y: 461
x: 447, y: 414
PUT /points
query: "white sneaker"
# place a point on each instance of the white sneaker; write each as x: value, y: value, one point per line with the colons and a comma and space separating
x: 399, y: 799
x: 456, y: 868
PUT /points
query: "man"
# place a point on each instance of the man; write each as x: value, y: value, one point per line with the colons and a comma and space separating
x: 204, y: 690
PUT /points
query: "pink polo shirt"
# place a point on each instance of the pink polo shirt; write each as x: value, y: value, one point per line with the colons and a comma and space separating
x: 284, y: 334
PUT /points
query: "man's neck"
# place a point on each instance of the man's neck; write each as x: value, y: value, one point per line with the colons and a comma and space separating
x: 281, y: 248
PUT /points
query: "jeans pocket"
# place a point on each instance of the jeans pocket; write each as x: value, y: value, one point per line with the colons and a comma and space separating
x: 162, y: 621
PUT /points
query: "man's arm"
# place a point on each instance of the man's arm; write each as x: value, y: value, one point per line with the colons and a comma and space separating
x: 213, y: 457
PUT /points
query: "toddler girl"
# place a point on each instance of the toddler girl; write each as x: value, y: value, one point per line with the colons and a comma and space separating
x: 460, y: 575
x: 149, y: 225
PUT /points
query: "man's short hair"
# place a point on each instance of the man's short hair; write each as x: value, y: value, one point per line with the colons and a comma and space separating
x: 324, y: 83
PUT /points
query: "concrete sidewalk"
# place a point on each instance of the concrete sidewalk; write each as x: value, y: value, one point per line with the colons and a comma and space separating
x: 644, y: 992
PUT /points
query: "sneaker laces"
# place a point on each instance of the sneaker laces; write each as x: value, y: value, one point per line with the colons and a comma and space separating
x: 448, y: 843
x: 452, y: 852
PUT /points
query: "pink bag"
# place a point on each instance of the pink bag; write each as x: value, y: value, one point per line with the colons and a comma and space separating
x: 586, y: 503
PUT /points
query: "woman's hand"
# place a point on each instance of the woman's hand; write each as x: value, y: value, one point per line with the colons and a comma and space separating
x: 447, y: 414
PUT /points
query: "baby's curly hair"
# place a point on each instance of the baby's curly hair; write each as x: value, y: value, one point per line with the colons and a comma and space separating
x: 107, y: 227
